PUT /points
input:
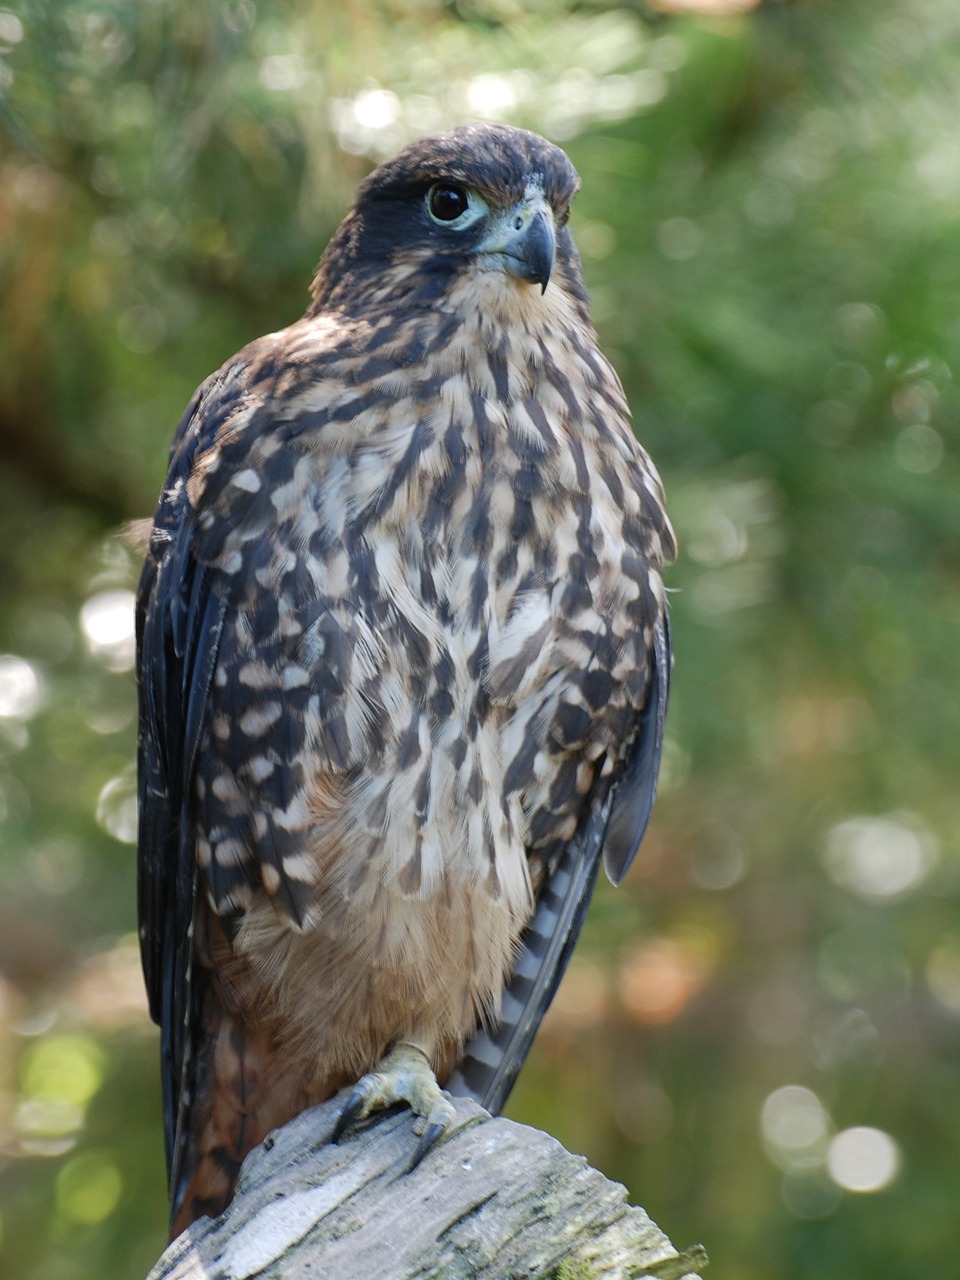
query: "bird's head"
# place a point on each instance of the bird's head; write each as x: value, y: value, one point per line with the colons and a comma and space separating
x: 483, y: 203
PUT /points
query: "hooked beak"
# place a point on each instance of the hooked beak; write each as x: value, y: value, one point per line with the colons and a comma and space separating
x: 524, y: 240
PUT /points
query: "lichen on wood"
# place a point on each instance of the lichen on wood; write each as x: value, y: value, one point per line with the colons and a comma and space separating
x: 494, y: 1200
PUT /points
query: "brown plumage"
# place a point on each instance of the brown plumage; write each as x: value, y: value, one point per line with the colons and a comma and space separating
x: 403, y: 663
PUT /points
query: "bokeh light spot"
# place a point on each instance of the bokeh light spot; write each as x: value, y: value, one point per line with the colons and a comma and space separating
x: 658, y: 979
x: 107, y: 622
x: 282, y: 72
x: 59, y: 1076
x: 879, y: 857
x: 915, y: 401
x: 718, y: 865
x: 376, y: 108
x: 919, y: 448
x: 117, y: 808
x: 89, y: 1187
x: 63, y: 1068
x: 793, y: 1119
x: 46, y: 1126
x: 11, y: 28
x: 712, y: 8
x: 863, y: 1159
x: 492, y: 96
x: 55, y: 866
x: 21, y: 690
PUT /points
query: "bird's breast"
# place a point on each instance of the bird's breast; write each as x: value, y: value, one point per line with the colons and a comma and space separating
x: 443, y: 606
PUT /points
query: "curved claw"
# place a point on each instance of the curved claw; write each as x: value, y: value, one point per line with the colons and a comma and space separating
x: 404, y: 1076
x: 427, y: 1139
x: 352, y: 1110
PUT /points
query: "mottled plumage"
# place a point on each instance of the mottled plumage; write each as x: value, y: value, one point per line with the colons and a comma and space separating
x: 403, y: 661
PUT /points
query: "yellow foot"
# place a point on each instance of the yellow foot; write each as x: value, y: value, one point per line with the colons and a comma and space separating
x: 404, y: 1075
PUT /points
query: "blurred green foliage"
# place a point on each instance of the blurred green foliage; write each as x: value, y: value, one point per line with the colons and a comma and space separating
x: 760, y: 1034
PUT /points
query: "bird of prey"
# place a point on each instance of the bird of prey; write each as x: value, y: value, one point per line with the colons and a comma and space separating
x: 403, y: 667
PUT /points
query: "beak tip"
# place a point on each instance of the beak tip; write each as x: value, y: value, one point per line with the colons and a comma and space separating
x: 527, y: 251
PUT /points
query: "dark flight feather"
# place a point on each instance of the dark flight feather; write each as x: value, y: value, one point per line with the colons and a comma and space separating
x: 611, y: 834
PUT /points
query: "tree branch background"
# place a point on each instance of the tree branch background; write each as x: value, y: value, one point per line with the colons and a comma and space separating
x: 760, y: 1033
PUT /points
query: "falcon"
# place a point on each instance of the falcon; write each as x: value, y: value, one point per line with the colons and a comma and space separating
x: 403, y: 664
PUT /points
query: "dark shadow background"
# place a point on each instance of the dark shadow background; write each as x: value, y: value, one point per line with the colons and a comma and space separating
x: 760, y: 1033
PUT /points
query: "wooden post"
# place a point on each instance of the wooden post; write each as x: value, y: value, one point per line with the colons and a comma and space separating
x: 494, y: 1200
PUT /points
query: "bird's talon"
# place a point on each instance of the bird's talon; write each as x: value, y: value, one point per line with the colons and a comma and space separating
x: 430, y: 1133
x: 404, y: 1076
x: 353, y: 1109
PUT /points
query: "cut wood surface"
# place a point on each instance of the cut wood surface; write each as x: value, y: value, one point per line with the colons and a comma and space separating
x: 492, y: 1199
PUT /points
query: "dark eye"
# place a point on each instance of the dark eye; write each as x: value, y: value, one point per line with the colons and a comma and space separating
x: 447, y: 202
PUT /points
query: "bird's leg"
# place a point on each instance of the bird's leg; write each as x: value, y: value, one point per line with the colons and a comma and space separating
x: 404, y: 1075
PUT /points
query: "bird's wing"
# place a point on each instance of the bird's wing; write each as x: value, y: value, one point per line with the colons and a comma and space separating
x: 611, y: 833
x: 179, y: 622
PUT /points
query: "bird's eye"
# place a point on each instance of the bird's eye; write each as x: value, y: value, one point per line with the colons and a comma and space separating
x: 447, y: 203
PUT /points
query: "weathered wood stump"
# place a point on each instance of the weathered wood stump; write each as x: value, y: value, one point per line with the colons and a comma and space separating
x: 493, y: 1199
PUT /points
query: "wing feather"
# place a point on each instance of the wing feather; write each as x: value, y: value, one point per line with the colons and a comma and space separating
x: 179, y: 622
x: 611, y: 833
x: 637, y: 785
